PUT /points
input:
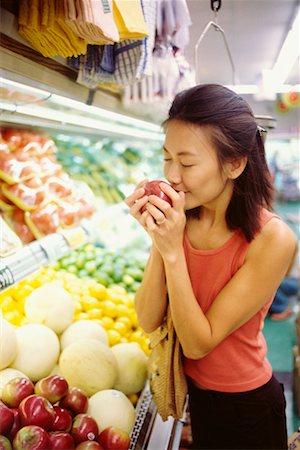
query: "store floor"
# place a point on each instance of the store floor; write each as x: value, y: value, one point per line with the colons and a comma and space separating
x: 281, y: 338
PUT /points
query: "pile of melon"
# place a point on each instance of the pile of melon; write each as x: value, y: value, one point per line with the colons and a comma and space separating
x: 53, y: 344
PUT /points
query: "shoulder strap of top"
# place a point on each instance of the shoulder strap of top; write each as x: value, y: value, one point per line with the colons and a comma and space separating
x: 266, y: 216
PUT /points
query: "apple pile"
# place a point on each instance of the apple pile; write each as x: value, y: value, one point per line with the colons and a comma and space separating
x: 50, y: 415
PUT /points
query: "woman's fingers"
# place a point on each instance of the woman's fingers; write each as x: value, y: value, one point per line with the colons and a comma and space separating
x: 177, y: 198
x: 134, y: 197
x: 158, y: 212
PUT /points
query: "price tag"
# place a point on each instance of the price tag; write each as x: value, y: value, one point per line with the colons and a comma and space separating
x: 75, y: 237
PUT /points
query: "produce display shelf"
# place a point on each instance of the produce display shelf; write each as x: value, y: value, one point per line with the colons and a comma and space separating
x: 41, y: 253
x: 150, y: 432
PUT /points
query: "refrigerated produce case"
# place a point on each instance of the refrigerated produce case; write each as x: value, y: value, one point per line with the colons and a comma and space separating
x: 53, y: 82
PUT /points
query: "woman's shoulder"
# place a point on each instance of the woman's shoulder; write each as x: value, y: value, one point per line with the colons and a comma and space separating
x: 275, y: 236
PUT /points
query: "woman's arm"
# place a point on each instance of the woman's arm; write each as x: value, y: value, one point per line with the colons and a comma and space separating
x: 150, y: 299
x: 250, y: 288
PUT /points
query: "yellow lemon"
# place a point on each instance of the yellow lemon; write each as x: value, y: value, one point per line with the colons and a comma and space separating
x: 134, y: 320
x: 109, y: 308
x: 13, y: 317
x: 95, y: 313
x: 8, y: 304
x: 77, y: 307
x: 107, y: 322
x: 98, y: 290
x: 138, y: 336
x: 81, y: 316
x: 133, y: 398
x: 114, y: 337
x: 89, y: 302
x: 120, y: 327
x: 126, y: 321
x: 122, y: 311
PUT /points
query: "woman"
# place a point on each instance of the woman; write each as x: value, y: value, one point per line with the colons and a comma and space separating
x: 221, y: 255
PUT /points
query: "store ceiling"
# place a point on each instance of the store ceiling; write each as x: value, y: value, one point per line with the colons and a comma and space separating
x: 255, y: 31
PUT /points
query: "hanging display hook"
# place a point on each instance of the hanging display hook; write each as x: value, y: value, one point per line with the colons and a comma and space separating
x: 215, y: 6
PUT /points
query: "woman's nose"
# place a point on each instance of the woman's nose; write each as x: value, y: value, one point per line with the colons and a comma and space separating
x: 172, y: 174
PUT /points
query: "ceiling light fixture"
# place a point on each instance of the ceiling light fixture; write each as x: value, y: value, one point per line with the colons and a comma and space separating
x: 254, y: 89
x: 66, y: 118
x: 289, y: 52
x: 94, y: 118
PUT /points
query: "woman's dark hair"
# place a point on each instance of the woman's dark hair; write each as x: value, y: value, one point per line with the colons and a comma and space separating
x: 234, y: 134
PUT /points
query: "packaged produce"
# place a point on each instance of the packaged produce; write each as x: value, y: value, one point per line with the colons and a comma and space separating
x: 16, y: 218
x: 5, y: 204
x: 14, y: 171
x: 43, y: 220
x: 25, y: 197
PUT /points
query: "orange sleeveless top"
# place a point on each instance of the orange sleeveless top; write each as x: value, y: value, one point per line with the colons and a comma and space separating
x: 239, y: 362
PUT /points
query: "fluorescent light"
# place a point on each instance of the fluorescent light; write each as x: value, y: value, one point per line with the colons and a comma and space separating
x: 243, y: 88
x: 72, y: 119
x: 94, y: 117
x: 104, y: 114
x: 289, y: 52
x: 254, y: 89
x: 23, y: 87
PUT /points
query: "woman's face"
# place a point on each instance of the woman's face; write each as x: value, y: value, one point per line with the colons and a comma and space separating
x: 191, y: 165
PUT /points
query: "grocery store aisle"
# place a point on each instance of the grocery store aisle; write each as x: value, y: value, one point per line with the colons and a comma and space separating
x: 281, y: 338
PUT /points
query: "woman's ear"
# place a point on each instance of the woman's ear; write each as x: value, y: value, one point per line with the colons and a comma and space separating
x: 236, y: 167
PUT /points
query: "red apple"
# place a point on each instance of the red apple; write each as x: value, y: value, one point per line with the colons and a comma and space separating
x: 75, y: 401
x: 113, y: 438
x: 84, y: 428
x: 63, y: 419
x: 16, y: 424
x: 153, y: 188
x: 36, y: 410
x: 31, y: 437
x: 89, y: 445
x: 6, y: 418
x: 4, y: 443
x: 15, y: 390
x: 60, y: 440
x: 53, y: 388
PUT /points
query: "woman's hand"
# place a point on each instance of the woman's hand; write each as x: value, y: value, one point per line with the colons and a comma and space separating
x: 136, y: 201
x: 166, y: 223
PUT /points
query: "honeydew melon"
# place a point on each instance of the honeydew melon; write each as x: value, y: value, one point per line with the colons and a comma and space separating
x: 50, y: 305
x: 38, y: 351
x: 8, y: 343
x: 111, y: 408
x: 89, y: 365
x: 132, y: 368
x: 83, y: 329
